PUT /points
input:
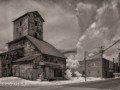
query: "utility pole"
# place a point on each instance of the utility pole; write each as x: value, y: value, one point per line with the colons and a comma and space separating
x: 85, y: 63
x: 119, y: 62
x: 101, y: 51
x: 113, y: 65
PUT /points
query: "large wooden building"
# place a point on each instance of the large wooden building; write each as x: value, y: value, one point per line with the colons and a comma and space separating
x: 28, y: 55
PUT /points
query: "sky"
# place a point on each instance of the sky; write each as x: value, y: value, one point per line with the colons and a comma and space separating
x: 84, y: 25
x: 60, y: 28
x: 101, y: 27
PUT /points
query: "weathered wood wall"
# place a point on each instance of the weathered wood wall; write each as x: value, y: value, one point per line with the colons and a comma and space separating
x: 55, y: 66
x: 28, y: 70
x: 23, y: 70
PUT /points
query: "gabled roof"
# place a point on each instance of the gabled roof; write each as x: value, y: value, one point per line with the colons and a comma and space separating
x: 28, y: 14
x: 45, y: 47
x: 27, y: 58
x: 42, y: 46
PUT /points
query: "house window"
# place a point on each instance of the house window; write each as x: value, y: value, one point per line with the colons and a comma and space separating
x: 36, y: 23
x: 93, y: 65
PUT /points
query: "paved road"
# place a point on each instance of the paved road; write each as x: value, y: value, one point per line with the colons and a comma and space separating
x: 113, y: 84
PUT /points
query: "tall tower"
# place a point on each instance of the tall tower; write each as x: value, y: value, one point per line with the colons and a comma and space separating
x: 31, y: 24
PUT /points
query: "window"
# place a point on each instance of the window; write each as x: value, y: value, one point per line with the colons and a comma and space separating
x: 93, y: 65
x: 36, y: 23
x: 35, y: 66
x: 9, y: 66
x: 57, y: 72
x: 20, y: 33
x: 20, y: 23
x: 35, y: 35
x: 56, y: 61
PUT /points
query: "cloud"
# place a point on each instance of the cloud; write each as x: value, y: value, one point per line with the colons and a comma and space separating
x: 60, y: 23
x: 85, y: 14
x: 102, y: 30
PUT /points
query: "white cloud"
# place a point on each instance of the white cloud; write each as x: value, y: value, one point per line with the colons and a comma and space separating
x: 60, y: 25
x: 102, y: 30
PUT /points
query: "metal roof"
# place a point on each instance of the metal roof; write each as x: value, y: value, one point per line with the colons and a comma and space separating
x: 45, y: 47
x: 28, y: 14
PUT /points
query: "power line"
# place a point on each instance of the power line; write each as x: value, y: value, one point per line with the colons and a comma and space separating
x: 103, y: 50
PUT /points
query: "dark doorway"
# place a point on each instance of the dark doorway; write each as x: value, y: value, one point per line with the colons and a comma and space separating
x: 35, y: 35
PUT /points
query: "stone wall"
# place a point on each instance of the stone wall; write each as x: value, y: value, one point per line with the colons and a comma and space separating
x: 31, y: 24
x: 20, y: 27
x: 17, y: 45
x: 93, y: 68
x: 28, y: 47
x: 97, y: 68
x: 107, y: 67
x: 35, y: 26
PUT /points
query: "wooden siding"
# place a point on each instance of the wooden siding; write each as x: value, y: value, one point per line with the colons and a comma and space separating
x: 23, y: 70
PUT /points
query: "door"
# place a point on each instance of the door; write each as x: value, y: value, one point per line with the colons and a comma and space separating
x: 49, y: 73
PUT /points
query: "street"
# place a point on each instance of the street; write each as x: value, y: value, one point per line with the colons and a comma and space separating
x: 113, y: 84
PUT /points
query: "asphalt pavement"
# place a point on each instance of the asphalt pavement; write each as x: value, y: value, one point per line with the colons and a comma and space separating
x: 111, y: 84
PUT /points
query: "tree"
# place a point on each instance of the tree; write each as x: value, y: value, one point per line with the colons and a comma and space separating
x: 72, y: 65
